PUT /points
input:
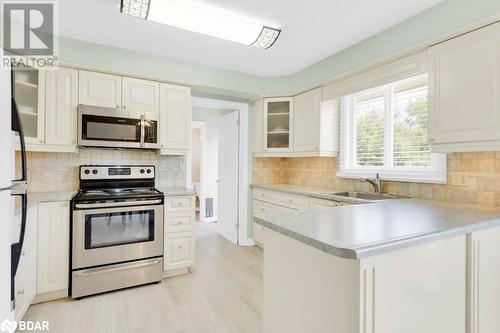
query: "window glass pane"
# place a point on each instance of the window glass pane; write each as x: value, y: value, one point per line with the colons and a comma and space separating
x: 411, y: 148
x: 369, y: 124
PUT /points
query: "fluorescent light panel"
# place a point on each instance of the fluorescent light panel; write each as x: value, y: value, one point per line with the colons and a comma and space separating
x: 203, y: 18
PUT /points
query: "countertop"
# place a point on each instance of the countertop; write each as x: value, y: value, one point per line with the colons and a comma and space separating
x: 360, y: 231
x: 310, y: 192
x: 34, y: 198
x: 176, y: 191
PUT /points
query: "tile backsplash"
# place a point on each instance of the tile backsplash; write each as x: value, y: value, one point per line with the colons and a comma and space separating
x: 59, y: 171
x: 481, y: 169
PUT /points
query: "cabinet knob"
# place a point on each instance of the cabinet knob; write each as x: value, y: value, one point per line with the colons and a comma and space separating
x: 431, y: 139
x: 20, y: 291
x: 179, y: 247
x: 124, y: 106
x: 117, y: 106
x: 23, y: 253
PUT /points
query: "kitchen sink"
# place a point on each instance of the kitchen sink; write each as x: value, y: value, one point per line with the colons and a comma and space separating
x: 365, y: 195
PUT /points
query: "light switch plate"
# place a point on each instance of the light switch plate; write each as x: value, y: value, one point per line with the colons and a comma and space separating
x: 460, y: 178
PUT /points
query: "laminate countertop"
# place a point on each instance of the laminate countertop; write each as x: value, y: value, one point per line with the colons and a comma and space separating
x: 359, y: 231
x: 34, y: 198
x: 176, y: 191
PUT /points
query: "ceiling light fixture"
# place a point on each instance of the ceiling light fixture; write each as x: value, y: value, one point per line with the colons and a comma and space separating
x: 205, y: 19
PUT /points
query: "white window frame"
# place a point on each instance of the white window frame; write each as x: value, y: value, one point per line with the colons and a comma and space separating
x: 347, y: 167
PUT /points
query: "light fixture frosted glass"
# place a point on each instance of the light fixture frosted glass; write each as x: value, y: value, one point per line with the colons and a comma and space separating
x: 205, y: 19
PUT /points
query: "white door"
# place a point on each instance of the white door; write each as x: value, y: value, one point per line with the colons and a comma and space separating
x: 61, y: 106
x: 175, y: 117
x: 227, y: 190
x: 141, y: 97
x: 100, y: 89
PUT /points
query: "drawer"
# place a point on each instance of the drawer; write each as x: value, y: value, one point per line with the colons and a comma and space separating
x: 266, y: 207
x: 177, y: 203
x: 321, y: 203
x: 258, y: 234
x: 265, y: 195
x: 179, y: 250
x: 176, y: 221
x: 293, y: 201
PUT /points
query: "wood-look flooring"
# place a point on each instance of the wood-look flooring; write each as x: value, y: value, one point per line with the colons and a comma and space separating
x: 222, y: 294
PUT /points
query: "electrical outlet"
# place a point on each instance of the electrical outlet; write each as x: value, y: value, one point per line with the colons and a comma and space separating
x: 459, y: 178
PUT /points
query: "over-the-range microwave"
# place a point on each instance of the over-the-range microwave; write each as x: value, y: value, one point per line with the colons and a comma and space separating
x: 115, y: 128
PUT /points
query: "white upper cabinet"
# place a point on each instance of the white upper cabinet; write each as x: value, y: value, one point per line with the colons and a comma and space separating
x: 61, y: 107
x: 29, y: 91
x: 278, y: 124
x: 100, y: 89
x: 141, y: 96
x: 175, y: 119
x: 296, y: 126
x: 464, y: 92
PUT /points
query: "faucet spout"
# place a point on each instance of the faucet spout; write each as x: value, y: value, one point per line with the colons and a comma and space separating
x: 376, y: 183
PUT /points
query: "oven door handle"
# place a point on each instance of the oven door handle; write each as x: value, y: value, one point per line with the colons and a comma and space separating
x: 118, y: 204
x: 122, y: 267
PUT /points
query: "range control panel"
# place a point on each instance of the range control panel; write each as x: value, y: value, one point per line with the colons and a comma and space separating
x: 95, y: 172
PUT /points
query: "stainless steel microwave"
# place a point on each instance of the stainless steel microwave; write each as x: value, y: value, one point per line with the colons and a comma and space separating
x: 114, y: 128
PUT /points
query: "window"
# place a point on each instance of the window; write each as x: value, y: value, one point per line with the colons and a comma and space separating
x: 384, y: 130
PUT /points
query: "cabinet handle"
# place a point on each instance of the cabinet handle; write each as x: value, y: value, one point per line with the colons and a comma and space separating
x: 124, y: 106
x: 20, y: 292
x: 117, y: 106
x: 179, y: 246
x: 431, y: 139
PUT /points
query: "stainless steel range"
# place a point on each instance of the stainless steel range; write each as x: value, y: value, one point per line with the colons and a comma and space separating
x: 117, y: 229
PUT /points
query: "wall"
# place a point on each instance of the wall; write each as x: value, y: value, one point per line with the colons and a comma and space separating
x: 59, y: 171
x: 195, y: 154
x: 447, y: 17
x: 482, y: 168
x: 210, y: 117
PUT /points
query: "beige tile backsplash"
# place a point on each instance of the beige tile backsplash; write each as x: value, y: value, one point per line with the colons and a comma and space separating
x: 481, y: 169
x: 59, y: 171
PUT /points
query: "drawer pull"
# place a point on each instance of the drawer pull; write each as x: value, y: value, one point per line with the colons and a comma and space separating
x: 179, y: 247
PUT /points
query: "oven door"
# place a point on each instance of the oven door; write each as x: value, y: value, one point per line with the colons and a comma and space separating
x: 116, y: 234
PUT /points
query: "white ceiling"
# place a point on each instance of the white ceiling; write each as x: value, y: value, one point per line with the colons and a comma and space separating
x: 312, y: 31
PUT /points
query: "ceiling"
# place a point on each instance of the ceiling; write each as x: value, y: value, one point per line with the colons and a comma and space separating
x: 312, y: 31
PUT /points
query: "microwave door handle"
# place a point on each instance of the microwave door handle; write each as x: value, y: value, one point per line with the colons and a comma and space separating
x: 16, y: 248
x: 17, y: 126
x: 142, y: 130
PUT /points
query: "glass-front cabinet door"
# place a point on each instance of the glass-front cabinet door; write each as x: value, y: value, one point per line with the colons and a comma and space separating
x: 278, y: 124
x: 29, y: 93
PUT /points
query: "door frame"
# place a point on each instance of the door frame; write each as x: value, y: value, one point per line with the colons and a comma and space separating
x: 243, y: 182
x: 203, y: 168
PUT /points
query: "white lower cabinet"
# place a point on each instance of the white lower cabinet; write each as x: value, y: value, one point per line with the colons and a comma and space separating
x: 179, y: 250
x: 26, y: 279
x: 180, y: 236
x: 53, y: 250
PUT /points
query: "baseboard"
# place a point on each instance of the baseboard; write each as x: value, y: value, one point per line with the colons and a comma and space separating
x: 246, y: 242
x: 50, y: 296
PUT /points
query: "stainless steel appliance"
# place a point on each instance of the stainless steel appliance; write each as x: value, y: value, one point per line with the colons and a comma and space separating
x: 117, y: 229
x: 10, y: 253
x: 108, y: 127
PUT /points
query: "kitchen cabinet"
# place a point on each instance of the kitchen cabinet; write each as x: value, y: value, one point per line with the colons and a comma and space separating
x: 141, y: 97
x: 180, y: 237
x: 483, y: 285
x: 278, y: 124
x: 26, y: 277
x: 300, y: 126
x: 179, y: 250
x: 61, y: 108
x: 99, y: 89
x: 175, y: 119
x: 464, y: 92
x: 53, y: 250
x: 29, y: 90
x: 316, y: 124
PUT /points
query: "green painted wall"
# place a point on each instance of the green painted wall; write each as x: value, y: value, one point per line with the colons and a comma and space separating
x: 446, y: 17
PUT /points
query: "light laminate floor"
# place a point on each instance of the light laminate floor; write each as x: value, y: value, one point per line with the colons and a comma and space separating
x: 223, y: 294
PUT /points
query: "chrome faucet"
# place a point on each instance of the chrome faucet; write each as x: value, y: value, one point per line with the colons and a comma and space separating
x: 376, y: 183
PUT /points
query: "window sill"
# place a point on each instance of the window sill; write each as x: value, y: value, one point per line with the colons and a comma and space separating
x: 398, y: 176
